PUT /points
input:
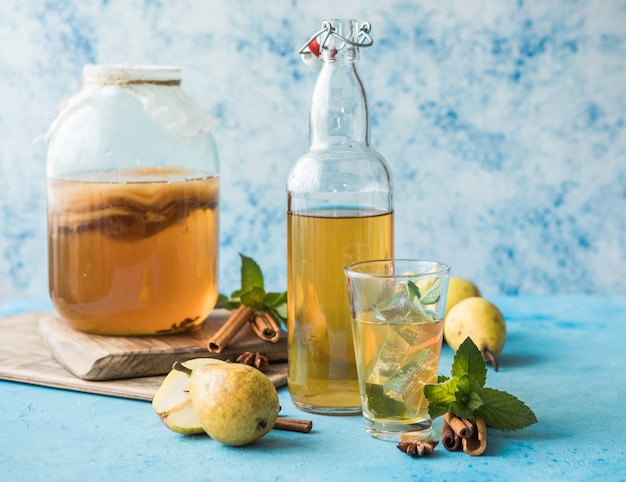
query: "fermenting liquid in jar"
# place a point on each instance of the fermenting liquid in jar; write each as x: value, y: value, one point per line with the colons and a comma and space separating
x: 134, y: 252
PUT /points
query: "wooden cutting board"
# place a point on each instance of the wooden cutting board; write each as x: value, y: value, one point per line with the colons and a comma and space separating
x: 24, y: 356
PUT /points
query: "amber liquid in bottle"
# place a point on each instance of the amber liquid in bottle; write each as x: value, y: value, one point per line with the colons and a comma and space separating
x: 322, y: 370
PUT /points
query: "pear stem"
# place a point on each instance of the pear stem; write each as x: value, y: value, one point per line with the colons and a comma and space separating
x: 491, y: 357
x: 181, y: 368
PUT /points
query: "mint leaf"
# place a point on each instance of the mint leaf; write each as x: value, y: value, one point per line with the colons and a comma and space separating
x: 275, y: 299
x: 461, y: 410
x: 466, y: 398
x: 253, y: 298
x: 474, y: 402
x: 432, y: 294
x: 466, y: 392
x: 381, y: 405
x: 463, y: 384
x: 469, y: 361
x: 504, y: 411
x: 281, y: 310
x: 455, y: 392
x: 414, y: 291
x: 251, y: 275
x: 224, y: 303
x: 252, y: 294
x: 278, y: 313
x: 276, y: 305
x: 440, y: 397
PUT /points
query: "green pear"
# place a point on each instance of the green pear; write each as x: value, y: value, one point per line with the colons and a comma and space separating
x: 459, y: 289
x: 236, y: 404
x: 482, y: 321
x: 172, y: 402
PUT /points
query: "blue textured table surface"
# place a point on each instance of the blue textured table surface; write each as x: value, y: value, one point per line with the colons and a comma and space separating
x: 565, y: 357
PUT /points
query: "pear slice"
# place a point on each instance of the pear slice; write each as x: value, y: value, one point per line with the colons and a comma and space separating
x: 172, y: 402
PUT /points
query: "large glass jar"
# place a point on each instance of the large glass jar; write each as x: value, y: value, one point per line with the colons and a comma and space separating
x: 133, y: 198
x: 339, y: 210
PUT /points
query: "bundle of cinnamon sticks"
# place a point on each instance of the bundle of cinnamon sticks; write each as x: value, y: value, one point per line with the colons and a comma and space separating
x: 263, y: 325
x: 463, y: 434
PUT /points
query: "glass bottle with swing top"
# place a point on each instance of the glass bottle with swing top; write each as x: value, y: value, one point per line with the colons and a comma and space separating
x: 339, y: 210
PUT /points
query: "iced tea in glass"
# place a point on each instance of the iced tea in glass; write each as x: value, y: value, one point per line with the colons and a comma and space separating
x: 397, y: 309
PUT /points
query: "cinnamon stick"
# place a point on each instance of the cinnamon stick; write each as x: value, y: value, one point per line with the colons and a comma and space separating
x: 265, y: 327
x: 477, y: 443
x: 293, y: 425
x: 461, y: 426
x: 229, y: 329
x: 450, y: 440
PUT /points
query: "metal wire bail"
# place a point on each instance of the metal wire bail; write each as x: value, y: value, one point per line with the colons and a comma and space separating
x: 363, y: 39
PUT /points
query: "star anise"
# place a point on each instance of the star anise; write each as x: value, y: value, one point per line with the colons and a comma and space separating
x: 418, y: 448
x: 255, y: 360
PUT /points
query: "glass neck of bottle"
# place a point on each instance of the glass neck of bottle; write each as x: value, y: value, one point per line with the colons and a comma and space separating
x: 339, y: 113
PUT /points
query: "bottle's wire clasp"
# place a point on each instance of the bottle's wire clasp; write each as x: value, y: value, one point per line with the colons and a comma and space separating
x: 363, y: 39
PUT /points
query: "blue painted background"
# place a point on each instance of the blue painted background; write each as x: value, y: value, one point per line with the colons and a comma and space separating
x: 503, y: 124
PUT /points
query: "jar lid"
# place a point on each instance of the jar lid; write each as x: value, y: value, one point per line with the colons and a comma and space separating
x: 131, y: 74
x: 156, y: 87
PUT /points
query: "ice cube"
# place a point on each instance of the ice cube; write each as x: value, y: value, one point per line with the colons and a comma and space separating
x: 409, y: 334
x: 409, y: 377
x: 397, y: 308
x: 390, y: 356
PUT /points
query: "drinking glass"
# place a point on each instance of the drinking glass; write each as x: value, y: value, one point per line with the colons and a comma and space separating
x: 397, y: 308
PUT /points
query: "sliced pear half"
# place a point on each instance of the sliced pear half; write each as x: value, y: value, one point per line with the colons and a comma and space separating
x: 172, y: 402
